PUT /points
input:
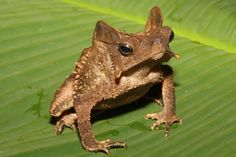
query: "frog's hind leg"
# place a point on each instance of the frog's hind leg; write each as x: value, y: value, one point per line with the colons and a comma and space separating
x: 154, y: 94
x: 157, y: 101
x: 63, y: 99
x: 68, y: 120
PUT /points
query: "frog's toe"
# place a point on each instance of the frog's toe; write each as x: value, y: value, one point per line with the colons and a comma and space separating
x: 162, y: 118
x: 105, y: 146
x: 67, y: 120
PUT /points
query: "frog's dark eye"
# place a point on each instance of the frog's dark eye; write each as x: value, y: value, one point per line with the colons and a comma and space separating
x: 125, y: 49
x: 171, y: 37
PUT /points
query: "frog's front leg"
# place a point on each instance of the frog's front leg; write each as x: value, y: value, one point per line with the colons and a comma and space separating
x: 167, y: 115
x: 88, y: 140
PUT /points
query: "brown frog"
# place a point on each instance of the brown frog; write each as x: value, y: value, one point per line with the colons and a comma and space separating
x: 117, y: 69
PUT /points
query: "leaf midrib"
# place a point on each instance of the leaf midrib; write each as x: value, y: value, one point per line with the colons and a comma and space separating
x: 179, y: 30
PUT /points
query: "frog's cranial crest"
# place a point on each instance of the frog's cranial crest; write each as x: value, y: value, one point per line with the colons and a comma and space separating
x: 129, y: 50
x: 154, y: 20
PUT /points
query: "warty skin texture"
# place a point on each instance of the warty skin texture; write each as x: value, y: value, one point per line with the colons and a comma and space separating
x: 117, y: 69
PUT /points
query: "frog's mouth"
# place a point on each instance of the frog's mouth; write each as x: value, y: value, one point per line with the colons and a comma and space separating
x: 165, y: 55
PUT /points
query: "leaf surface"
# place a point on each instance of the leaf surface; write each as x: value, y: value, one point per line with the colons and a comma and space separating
x: 41, y: 40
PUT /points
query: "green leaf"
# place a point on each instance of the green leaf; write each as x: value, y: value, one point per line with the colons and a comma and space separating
x: 41, y: 40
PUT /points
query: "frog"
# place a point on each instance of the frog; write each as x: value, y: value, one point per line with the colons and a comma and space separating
x: 119, y: 68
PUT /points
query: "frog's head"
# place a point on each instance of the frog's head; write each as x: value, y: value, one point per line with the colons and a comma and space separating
x: 129, y: 50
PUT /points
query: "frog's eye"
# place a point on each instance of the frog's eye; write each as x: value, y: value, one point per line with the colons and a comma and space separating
x: 171, y: 37
x: 125, y: 49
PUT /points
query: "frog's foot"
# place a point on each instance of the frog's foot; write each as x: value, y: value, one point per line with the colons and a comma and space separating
x: 67, y: 120
x: 158, y: 101
x: 163, y: 118
x: 104, y: 146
